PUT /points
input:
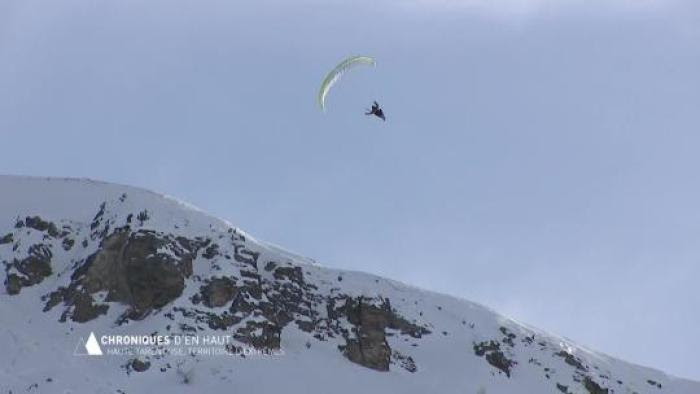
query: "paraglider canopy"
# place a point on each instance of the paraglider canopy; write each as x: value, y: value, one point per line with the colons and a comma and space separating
x: 337, y: 72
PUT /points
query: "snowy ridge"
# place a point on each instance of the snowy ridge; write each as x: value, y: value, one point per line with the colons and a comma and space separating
x: 82, y: 257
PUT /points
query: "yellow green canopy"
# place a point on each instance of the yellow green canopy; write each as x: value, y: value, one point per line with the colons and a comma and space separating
x: 337, y: 72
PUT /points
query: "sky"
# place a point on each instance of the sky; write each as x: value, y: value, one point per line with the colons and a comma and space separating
x: 539, y: 157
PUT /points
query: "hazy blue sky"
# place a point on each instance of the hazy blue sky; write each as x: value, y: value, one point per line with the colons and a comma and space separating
x: 540, y: 157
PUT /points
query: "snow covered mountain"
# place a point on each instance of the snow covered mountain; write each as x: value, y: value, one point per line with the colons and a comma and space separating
x: 178, y: 301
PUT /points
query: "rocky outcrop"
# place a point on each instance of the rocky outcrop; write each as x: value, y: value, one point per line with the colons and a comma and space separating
x: 190, y: 275
x: 148, y: 270
x: 259, y: 308
x: 572, y: 360
x: 30, y: 270
x: 593, y: 387
x: 139, y: 365
x: 143, y: 269
x: 218, y: 292
x: 37, y: 223
x: 491, y: 351
x: 6, y: 239
x: 366, y: 344
x: 260, y: 335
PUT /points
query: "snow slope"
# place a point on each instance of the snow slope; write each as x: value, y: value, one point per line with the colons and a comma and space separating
x: 75, y: 254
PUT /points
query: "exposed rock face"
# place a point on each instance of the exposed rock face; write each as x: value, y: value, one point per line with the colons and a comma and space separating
x: 208, y: 279
x: 36, y: 265
x: 406, y: 362
x: 139, y: 365
x: 366, y: 344
x: 133, y: 269
x: 294, y: 274
x: 491, y: 350
x: 498, y: 352
x: 218, y: 292
x: 275, y: 302
x: 265, y: 335
x: 39, y: 224
x: 152, y: 279
x: 593, y: 387
x: 369, y: 347
x: 13, y: 284
x: 6, y: 239
x: 30, y: 270
x: 148, y: 270
x: 572, y: 360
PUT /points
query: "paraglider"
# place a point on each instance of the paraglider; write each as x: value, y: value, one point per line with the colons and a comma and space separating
x: 337, y: 72
x: 376, y: 111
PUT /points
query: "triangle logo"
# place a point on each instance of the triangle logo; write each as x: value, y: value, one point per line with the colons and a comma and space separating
x: 89, y: 348
x: 92, y: 346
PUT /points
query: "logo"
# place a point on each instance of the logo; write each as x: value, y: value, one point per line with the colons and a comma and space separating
x: 89, y: 348
x: 153, y: 345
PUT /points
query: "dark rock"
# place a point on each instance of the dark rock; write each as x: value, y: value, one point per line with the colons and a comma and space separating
x: 593, y: 387
x: 654, y: 383
x: 142, y: 217
x: 405, y: 362
x: 223, y: 322
x: 13, y: 284
x: 307, y: 326
x: 84, y: 308
x: 140, y: 366
x: 54, y: 298
x: 6, y: 239
x: 509, y: 336
x: 368, y: 346
x: 571, y: 360
x: 250, y: 274
x: 68, y: 243
x: 129, y: 266
x: 243, y: 255
x: 39, y: 224
x: 500, y: 361
x: 218, y: 292
x: 32, y: 269
x: 491, y: 351
x: 98, y: 216
x: 153, y: 285
x: 269, y: 338
x: 211, y: 251
x: 370, y: 350
x: 481, y: 348
x: 292, y: 273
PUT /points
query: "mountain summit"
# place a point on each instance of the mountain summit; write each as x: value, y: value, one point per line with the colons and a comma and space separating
x: 115, y: 289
